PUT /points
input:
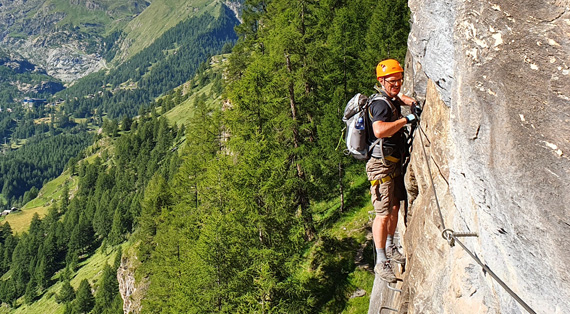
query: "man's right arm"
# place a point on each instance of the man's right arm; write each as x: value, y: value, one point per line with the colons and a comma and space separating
x: 386, y: 129
x: 380, y: 114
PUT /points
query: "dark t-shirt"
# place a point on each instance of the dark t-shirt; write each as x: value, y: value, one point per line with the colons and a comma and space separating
x: 380, y: 110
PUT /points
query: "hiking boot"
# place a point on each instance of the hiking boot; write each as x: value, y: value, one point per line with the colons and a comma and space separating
x: 394, y: 255
x: 384, y: 271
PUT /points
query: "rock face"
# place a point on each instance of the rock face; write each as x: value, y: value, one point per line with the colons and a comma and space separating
x: 496, y: 79
x: 60, y: 53
x: 236, y: 7
x: 61, y: 58
x: 131, y: 291
x: 38, y: 31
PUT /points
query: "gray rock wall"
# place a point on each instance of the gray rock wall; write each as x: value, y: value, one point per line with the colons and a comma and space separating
x: 496, y: 76
x: 62, y: 54
x: 65, y: 59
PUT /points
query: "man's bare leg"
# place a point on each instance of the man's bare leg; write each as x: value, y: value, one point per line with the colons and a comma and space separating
x: 379, y: 234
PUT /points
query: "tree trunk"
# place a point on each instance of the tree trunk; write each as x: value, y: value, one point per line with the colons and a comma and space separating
x: 341, y: 187
x: 303, y: 200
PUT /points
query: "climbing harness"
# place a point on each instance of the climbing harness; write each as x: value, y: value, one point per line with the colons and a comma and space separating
x: 452, y: 237
x: 391, y: 158
x: 384, y: 179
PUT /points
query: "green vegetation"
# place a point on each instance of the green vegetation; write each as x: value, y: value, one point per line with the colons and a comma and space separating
x: 100, y: 18
x: 161, y: 16
x: 42, y: 158
x: 229, y: 209
x: 152, y: 71
x: 257, y: 211
x: 103, y: 212
x: 205, y: 88
x: 41, y: 127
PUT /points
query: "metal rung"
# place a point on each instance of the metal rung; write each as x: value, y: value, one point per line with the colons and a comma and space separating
x: 450, y: 235
x: 393, y: 289
x: 387, y: 308
x: 465, y: 234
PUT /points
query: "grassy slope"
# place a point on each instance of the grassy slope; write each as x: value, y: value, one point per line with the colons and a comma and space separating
x: 182, y: 113
x: 113, y: 14
x: 352, y: 224
x: 51, y: 192
x: 159, y: 17
x: 90, y: 269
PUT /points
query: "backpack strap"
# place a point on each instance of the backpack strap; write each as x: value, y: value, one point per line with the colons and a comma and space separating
x: 378, y: 141
x: 381, y: 95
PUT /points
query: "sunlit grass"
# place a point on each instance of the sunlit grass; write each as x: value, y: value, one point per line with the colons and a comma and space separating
x: 20, y: 221
x: 90, y: 269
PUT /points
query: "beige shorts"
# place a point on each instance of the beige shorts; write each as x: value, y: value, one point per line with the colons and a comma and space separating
x: 386, y: 195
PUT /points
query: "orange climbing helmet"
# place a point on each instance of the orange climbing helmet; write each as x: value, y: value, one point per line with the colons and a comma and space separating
x: 387, y: 67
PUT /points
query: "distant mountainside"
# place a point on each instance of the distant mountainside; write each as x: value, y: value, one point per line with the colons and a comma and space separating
x: 66, y: 38
x: 20, y: 77
x: 167, y: 61
x: 69, y: 39
x: 174, y: 39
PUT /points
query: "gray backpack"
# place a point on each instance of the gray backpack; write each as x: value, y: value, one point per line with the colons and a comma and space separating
x: 356, y: 126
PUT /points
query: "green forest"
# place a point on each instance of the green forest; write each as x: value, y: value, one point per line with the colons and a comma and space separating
x: 36, y: 152
x: 118, y: 94
x: 170, y: 61
x: 234, y: 212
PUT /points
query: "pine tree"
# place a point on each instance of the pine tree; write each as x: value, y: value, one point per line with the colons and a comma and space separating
x: 157, y: 198
x: 84, y: 300
x: 107, y: 291
x: 9, y: 243
x: 119, y: 226
x: 65, y: 198
x: 9, y: 291
x: 68, y: 309
x: 31, y: 292
x: 66, y: 293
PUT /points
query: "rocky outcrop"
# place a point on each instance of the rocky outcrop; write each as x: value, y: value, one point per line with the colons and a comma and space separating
x: 131, y: 291
x: 19, y: 64
x: 496, y: 79
x: 66, y: 61
x: 34, y: 29
x: 40, y: 88
x: 236, y: 7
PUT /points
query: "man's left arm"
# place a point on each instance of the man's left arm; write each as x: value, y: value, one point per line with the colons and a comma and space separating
x: 407, y: 100
x: 414, y: 105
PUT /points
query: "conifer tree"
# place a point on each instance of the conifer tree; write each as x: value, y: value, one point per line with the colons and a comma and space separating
x: 9, y: 291
x: 65, y: 197
x: 119, y: 226
x: 157, y: 198
x: 107, y: 291
x: 66, y: 293
x: 31, y: 292
x: 9, y: 243
x: 68, y: 309
x: 84, y: 300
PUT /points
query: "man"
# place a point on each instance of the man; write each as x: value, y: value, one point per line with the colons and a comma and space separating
x: 385, y: 166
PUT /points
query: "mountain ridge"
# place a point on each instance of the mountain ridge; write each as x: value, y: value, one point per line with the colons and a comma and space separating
x: 70, y: 40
